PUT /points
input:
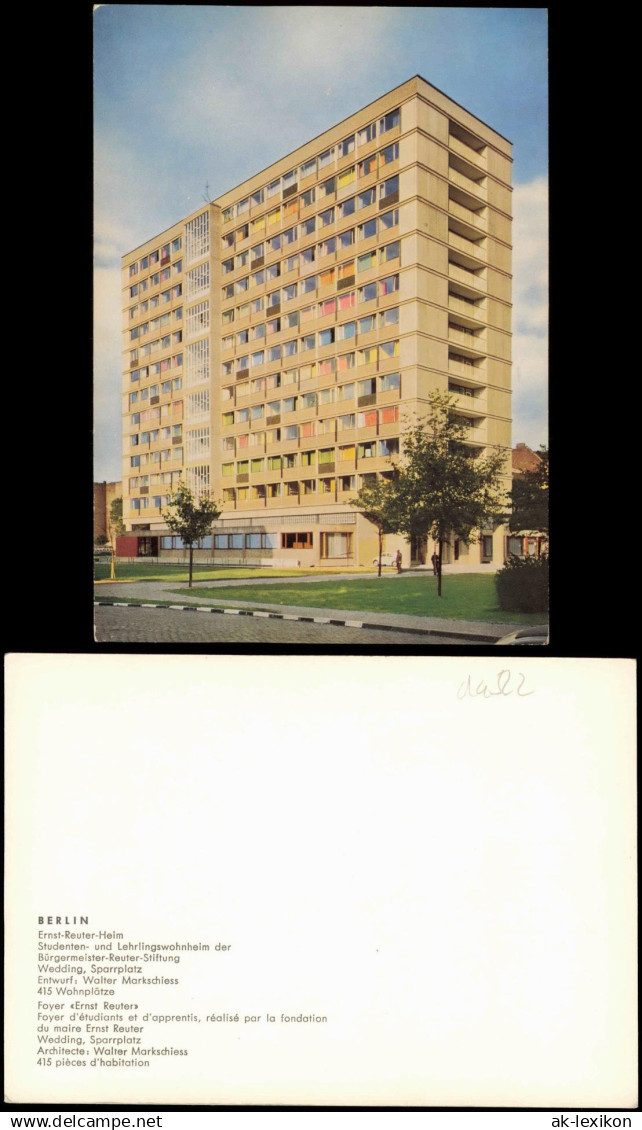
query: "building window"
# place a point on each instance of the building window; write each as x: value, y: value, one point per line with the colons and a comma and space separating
x: 369, y: 165
x: 302, y: 539
x: 388, y: 187
x: 389, y: 121
x: 348, y: 176
x: 366, y: 198
x: 388, y: 285
x: 365, y: 262
x: 368, y: 133
x: 389, y: 317
x: 389, y: 154
x: 391, y: 251
x: 336, y: 545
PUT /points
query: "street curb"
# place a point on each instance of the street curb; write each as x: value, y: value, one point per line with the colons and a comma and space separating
x: 265, y: 615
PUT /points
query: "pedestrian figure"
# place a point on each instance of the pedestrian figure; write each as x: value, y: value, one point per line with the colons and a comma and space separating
x: 435, y: 563
x: 398, y: 560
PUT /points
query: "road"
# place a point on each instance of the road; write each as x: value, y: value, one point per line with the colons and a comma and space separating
x: 166, y: 625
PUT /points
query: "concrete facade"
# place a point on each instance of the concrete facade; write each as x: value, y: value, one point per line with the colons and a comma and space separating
x: 275, y: 340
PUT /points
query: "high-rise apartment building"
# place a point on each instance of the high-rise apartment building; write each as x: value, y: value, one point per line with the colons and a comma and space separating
x: 276, y: 339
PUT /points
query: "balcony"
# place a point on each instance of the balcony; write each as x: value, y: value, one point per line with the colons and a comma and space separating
x: 469, y: 401
x: 467, y: 246
x: 477, y: 434
x: 470, y: 308
x: 469, y: 340
x: 473, y: 218
x: 474, y: 156
x: 466, y: 369
x: 476, y: 188
x: 468, y: 278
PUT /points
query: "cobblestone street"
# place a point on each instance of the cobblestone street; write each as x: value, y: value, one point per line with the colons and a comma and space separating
x: 166, y: 625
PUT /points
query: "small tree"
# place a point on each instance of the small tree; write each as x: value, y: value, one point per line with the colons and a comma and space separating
x: 102, y: 539
x: 190, y: 517
x: 529, y: 499
x: 442, y: 487
x: 376, y: 503
x: 115, y: 527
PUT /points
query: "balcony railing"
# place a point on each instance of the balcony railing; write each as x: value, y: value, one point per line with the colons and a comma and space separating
x: 465, y: 151
x: 466, y: 214
x: 476, y: 188
x: 471, y: 340
x: 471, y: 308
x: 468, y: 246
x: 459, y: 274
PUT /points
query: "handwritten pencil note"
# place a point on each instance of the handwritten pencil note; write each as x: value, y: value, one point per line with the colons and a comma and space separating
x: 324, y: 881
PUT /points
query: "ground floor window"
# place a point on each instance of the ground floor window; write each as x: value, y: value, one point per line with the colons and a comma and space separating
x: 245, y: 541
x: 336, y: 545
x: 527, y: 546
x: 487, y: 547
x: 302, y: 539
x: 147, y: 547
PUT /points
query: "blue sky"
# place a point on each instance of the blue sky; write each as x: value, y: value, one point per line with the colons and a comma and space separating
x: 192, y: 96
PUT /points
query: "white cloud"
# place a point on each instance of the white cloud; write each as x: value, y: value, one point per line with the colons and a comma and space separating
x: 530, y: 255
x: 530, y: 309
x: 277, y: 97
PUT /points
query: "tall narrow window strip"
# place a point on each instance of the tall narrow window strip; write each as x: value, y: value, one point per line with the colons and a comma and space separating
x: 197, y: 362
x: 197, y: 237
x: 197, y: 281
x: 197, y: 319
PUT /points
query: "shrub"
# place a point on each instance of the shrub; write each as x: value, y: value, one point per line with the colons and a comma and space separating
x: 522, y: 584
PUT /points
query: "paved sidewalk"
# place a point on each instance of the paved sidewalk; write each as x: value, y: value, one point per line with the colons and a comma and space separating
x: 149, y: 592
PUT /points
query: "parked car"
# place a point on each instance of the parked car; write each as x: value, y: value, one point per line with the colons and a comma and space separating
x: 386, y: 559
x: 536, y: 636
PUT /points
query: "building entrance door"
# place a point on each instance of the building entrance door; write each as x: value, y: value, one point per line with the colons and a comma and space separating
x: 418, y: 550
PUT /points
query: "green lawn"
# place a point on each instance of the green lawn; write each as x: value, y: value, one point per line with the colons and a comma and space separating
x: 143, y: 571
x: 471, y: 596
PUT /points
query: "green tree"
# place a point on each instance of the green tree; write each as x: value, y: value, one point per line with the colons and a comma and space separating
x: 116, y: 524
x: 443, y: 488
x: 529, y: 499
x: 376, y: 503
x: 190, y: 517
x: 102, y: 539
x: 115, y: 527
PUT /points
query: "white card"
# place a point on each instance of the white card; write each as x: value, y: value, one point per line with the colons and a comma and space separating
x: 346, y: 880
